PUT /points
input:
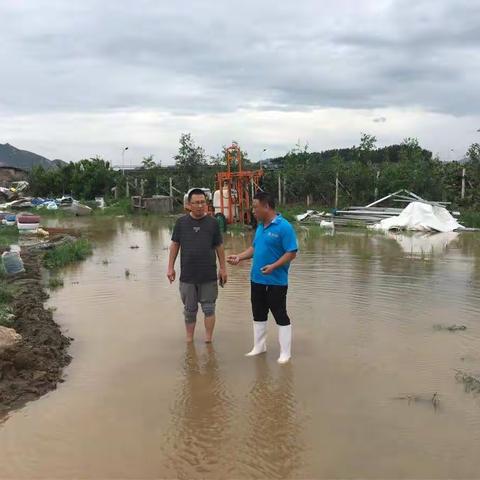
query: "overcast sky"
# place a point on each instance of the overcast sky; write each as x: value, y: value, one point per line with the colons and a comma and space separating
x: 79, y: 79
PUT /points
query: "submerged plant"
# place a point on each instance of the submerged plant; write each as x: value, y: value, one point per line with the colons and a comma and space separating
x: 450, y: 328
x: 55, y: 282
x: 471, y: 382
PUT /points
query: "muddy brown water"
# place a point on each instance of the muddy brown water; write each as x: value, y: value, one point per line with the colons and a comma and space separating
x: 138, y: 403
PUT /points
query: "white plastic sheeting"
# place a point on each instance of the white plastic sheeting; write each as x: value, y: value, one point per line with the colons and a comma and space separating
x: 422, y: 217
x: 307, y: 214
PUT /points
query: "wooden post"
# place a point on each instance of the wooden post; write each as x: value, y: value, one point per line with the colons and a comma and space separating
x: 463, y: 184
x: 336, y: 191
x: 279, y: 189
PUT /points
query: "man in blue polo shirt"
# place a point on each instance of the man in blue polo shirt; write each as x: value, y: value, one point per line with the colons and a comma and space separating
x: 274, y: 247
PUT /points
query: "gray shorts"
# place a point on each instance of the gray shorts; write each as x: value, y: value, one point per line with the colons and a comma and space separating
x: 193, y: 294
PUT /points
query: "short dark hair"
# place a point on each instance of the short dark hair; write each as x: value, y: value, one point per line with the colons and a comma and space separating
x: 196, y: 191
x: 265, y: 199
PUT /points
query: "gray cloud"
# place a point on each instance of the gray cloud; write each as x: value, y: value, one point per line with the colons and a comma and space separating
x: 215, y: 57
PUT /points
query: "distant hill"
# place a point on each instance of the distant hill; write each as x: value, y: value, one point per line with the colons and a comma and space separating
x: 13, y: 157
x: 59, y: 163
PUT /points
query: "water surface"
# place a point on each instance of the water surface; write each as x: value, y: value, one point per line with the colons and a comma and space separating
x: 139, y: 403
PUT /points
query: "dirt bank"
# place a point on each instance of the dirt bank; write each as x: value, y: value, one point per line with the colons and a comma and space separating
x: 33, y: 366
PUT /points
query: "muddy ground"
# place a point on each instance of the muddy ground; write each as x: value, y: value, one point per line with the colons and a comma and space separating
x: 33, y: 366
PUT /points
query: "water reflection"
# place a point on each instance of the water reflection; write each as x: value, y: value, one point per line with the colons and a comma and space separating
x: 273, y: 446
x: 200, y: 438
x: 424, y: 243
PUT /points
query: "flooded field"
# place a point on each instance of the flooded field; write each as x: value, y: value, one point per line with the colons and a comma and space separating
x: 356, y: 401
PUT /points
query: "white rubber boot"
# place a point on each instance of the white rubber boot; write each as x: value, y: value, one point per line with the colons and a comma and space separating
x: 285, y: 339
x: 259, y: 339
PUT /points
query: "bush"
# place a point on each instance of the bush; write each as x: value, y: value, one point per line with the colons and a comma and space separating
x: 470, y: 218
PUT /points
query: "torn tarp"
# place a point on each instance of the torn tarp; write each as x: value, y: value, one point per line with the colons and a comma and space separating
x: 420, y: 216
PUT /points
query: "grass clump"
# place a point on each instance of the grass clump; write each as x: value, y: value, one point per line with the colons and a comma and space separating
x: 7, y: 293
x: 55, y: 282
x: 8, y: 235
x: 6, y: 316
x: 70, y: 252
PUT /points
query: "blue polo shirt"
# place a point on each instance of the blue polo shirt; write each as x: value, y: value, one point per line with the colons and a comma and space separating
x: 269, y: 244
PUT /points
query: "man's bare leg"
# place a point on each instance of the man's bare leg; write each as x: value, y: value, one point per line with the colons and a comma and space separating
x: 190, y: 328
x: 209, y: 326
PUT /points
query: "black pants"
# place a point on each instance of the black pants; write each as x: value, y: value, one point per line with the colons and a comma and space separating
x: 269, y: 297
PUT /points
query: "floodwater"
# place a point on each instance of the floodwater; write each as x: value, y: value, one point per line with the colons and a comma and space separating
x: 138, y: 403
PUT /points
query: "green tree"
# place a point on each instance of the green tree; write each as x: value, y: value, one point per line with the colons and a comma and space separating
x: 148, y: 162
x: 190, y: 162
x: 367, y: 142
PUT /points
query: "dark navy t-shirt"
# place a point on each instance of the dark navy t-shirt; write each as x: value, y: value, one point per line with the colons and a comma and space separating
x: 198, y: 239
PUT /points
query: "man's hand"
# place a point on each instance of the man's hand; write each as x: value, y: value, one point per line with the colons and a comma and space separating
x: 267, y: 269
x: 222, y: 275
x: 171, y: 275
x: 233, y: 259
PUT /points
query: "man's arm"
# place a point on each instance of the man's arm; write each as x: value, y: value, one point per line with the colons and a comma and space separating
x: 221, y: 260
x: 172, y: 257
x: 236, y: 259
x: 285, y: 258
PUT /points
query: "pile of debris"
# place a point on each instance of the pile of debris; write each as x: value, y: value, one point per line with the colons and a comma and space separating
x: 419, y: 215
x: 14, y: 198
x: 65, y: 203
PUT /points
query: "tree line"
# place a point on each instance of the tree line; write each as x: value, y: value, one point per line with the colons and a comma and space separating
x: 364, y: 173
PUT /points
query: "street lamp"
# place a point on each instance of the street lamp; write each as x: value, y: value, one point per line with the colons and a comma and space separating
x: 261, y: 156
x: 123, y: 159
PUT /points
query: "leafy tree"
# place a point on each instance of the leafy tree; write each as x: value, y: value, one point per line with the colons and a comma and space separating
x: 148, y: 162
x: 190, y: 160
x: 367, y: 142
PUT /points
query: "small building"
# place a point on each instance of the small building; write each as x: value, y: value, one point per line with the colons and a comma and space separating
x: 11, y: 174
x: 155, y: 204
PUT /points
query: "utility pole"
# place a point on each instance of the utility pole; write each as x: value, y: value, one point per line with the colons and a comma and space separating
x: 123, y: 159
x: 375, y: 194
x: 279, y: 189
x: 284, y: 190
x: 336, y: 190
x: 463, y: 184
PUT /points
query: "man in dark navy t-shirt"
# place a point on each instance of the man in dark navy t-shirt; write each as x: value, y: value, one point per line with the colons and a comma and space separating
x: 274, y: 247
x: 197, y: 236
